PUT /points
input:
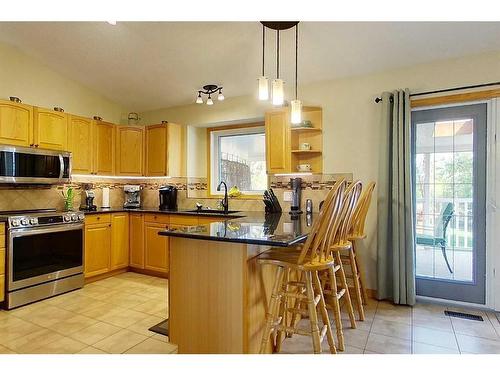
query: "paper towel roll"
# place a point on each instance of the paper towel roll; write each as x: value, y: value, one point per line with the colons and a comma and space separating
x: 105, y: 197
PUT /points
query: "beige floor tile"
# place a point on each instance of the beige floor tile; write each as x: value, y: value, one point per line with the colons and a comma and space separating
x: 474, y: 328
x: 73, y: 324
x: 365, y: 325
x: 442, y: 324
x: 299, y: 345
x: 91, y: 350
x: 120, y: 342
x: 142, y: 326
x: 31, y: 342
x: 95, y: 333
x: 80, y: 307
x: 127, y: 300
x: 355, y: 337
x: 14, y: 328
x: 420, y: 348
x: 152, y: 346
x: 429, y: 310
x: 387, y: 345
x: 4, y: 350
x: 151, y: 306
x: 394, y: 314
x: 435, y: 337
x: 390, y: 328
x: 369, y: 352
x: 48, y: 316
x: 471, y: 344
x: 350, y: 350
x: 163, y: 338
x: 100, y: 311
x: 123, y: 318
x: 65, y: 345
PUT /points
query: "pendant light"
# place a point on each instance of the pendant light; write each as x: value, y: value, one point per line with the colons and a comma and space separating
x: 278, y: 96
x: 296, y: 105
x: 263, y: 81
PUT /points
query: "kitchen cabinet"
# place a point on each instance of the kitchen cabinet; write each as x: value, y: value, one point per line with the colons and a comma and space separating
x: 130, y: 150
x: 119, y: 241
x: 278, y: 157
x: 136, y: 223
x: 80, y: 144
x: 2, y: 262
x: 284, y: 151
x: 16, y: 124
x: 104, y: 148
x: 166, y: 150
x: 155, y: 246
x: 97, y: 248
x: 50, y: 129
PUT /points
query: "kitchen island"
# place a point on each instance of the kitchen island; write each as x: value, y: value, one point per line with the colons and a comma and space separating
x: 218, y: 293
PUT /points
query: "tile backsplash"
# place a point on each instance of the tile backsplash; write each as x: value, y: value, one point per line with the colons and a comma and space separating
x: 190, y: 191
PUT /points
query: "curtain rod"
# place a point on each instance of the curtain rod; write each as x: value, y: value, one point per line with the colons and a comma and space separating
x: 378, y: 100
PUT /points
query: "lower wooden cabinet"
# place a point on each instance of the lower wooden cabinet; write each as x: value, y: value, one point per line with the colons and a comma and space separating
x: 155, y: 248
x: 119, y: 241
x: 97, y: 249
x: 136, y: 240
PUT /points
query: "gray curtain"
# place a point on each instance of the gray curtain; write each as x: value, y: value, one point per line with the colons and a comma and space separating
x: 395, y: 252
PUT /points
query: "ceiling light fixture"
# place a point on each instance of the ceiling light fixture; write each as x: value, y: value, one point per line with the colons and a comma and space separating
x: 209, y: 90
x: 277, y: 85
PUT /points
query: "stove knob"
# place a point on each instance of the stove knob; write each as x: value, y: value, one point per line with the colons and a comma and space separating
x: 81, y: 216
x: 67, y: 218
x: 15, y: 223
x: 24, y: 221
x: 33, y: 221
x: 73, y: 218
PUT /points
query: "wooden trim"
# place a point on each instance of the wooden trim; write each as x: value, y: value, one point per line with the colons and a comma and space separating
x: 456, y: 98
x: 209, y: 162
x: 163, y: 275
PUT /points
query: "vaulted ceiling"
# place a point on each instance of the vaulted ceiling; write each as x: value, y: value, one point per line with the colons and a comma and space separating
x: 150, y: 65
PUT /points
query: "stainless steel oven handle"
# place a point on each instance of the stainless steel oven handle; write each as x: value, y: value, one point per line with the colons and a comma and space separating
x: 18, y: 232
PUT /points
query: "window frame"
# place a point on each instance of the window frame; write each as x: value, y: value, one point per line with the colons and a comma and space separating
x: 215, y: 132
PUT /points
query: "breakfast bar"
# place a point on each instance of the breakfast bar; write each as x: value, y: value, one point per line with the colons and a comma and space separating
x: 218, y: 292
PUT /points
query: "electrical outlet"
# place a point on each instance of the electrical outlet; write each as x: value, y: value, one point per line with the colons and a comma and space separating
x: 287, y: 196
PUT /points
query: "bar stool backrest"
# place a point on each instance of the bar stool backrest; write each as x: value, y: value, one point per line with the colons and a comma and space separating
x: 351, y: 198
x: 313, y: 249
x: 358, y: 225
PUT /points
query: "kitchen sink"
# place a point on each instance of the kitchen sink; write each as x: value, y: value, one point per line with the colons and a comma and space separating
x: 216, y: 212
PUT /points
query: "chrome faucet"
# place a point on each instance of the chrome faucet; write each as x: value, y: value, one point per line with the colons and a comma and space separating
x: 225, y: 201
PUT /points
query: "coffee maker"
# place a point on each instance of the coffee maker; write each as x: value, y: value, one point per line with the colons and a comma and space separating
x: 132, y: 196
x: 296, y: 185
x: 87, y: 203
x: 168, y: 197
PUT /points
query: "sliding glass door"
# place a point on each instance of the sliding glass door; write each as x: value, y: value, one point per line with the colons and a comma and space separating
x: 449, y: 181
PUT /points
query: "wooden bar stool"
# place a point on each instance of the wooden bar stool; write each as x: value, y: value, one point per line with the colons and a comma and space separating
x: 356, y: 233
x: 334, y: 291
x: 289, y: 295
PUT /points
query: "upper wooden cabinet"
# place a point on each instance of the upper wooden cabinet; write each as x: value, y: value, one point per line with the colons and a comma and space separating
x: 80, y: 144
x: 283, y: 141
x: 16, y: 123
x: 104, y: 148
x: 166, y: 150
x: 130, y: 150
x: 50, y: 129
x: 278, y: 157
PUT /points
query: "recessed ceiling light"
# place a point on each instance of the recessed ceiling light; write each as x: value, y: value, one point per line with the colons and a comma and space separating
x: 113, y: 23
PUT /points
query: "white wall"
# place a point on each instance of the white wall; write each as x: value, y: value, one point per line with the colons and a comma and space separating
x: 350, y: 117
x: 38, y: 85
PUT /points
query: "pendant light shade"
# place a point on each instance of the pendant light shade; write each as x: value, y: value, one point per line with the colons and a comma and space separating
x: 199, y: 99
x: 263, y: 88
x: 278, y: 95
x: 296, y: 111
x: 210, y: 101
x: 220, y: 97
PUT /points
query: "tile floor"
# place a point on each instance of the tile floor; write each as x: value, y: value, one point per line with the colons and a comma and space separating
x: 107, y: 316
x: 423, y: 329
x: 113, y: 316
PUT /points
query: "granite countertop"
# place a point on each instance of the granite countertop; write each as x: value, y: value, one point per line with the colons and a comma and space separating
x: 156, y: 210
x: 255, y: 228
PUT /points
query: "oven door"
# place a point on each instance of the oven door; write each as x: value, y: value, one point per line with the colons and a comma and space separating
x: 40, y: 255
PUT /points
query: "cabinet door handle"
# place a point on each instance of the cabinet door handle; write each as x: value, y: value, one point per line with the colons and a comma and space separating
x: 98, y: 218
x: 31, y: 145
x: 36, y: 145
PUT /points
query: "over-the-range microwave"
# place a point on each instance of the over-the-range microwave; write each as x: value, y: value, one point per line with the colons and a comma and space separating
x: 24, y: 165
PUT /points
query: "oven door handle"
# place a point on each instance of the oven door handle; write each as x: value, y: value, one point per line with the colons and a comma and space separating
x: 19, y: 232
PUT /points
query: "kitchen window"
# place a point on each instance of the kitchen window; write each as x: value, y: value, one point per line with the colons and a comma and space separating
x: 238, y: 157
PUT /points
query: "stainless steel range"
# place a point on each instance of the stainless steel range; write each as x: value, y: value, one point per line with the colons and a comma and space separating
x: 44, y: 254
